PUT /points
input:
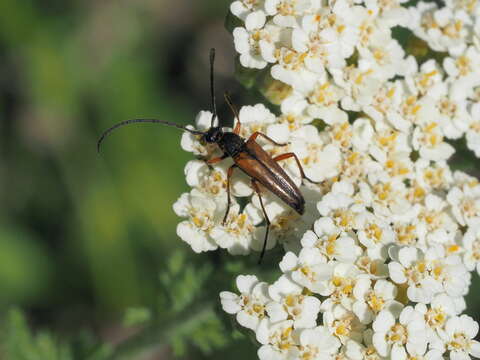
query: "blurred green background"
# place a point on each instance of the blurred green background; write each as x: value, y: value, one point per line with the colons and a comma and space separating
x: 88, y: 248
x: 84, y: 237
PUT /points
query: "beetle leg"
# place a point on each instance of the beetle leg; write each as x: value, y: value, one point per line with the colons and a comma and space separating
x: 229, y: 175
x: 257, y: 134
x: 289, y: 155
x: 238, y: 125
x: 216, y: 159
x: 267, y: 220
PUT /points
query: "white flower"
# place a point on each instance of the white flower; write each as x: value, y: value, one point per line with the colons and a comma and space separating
x: 318, y: 344
x: 375, y: 268
x: 340, y: 288
x: 213, y: 180
x: 374, y: 234
x: 409, y: 233
x: 465, y: 204
x: 451, y: 105
x: 289, y: 303
x: 471, y: 243
x: 386, y: 223
x: 472, y: 8
x: 343, y: 323
x: 435, y: 222
x: 323, y: 97
x: 428, y: 140
x: 340, y: 205
x: 333, y: 243
x: 389, y: 200
x: 286, y: 224
x: 426, y: 80
x: 388, y: 142
x: 473, y: 132
x: 357, y: 351
x: 290, y: 70
x: 242, y: 8
x: 237, y: 234
x: 340, y: 130
x: 256, y: 118
x: 369, y: 26
x: 249, y: 306
x: 385, y: 105
x: 412, y: 269
x: 309, y: 269
x: 436, y: 315
x: 394, y: 338
x: 372, y: 300
x: 360, y: 83
x: 319, y: 161
x: 443, y: 29
x: 256, y: 41
x: 294, y: 112
x: 356, y: 166
x: 458, y: 337
x: 385, y: 57
x: 363, y: 133
x: 430, y: 176
x: 465, y: 67
x: 277, y: 340
x: 333, y: 201
x: 285, y: 12
x: 319, y: 43
x: 390, y: 13
x: 203, y: 214
x: 448, y: 271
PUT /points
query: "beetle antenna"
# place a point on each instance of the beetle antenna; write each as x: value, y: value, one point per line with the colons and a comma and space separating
x: 154, y: 121
x: 229, y: 101
x: 212, y: 85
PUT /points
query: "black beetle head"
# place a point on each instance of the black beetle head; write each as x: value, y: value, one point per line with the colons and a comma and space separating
x: 213, y: 135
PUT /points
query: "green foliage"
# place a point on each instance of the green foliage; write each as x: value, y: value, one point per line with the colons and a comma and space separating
x: 24, y: 265
x: 249, y: 78
x: 136, y: 316
x: 20, y: 343
x: 202, y: 329
x: 193, y: 321
x: 184, y: 318
x: 463, y: 159
x: 182, y: 282
x: 231, y: 22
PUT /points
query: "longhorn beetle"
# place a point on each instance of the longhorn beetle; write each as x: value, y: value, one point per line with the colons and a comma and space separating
x: 247, y: 155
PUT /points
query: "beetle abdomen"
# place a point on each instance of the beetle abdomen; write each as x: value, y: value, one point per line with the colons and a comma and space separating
x: 259, y: 165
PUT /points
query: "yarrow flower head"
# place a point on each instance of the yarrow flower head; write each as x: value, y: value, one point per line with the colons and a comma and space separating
x: 379, y: 264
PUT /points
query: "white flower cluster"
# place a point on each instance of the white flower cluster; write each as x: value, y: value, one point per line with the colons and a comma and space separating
x: 390, y: 236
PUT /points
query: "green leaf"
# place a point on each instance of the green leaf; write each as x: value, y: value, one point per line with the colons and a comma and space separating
x: 137, y: 316
x: 463, y: 159
x: 24, y: 266
x: 231, y: 22
x: 249, y: 78
x: 20, y: 343
x: 182, y: 281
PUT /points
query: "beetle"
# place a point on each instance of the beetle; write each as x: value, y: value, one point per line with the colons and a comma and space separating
x: 247, y: 155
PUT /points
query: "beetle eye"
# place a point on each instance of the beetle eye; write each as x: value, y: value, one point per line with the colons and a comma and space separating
x: 208, y: 138
x: 213, y: 135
